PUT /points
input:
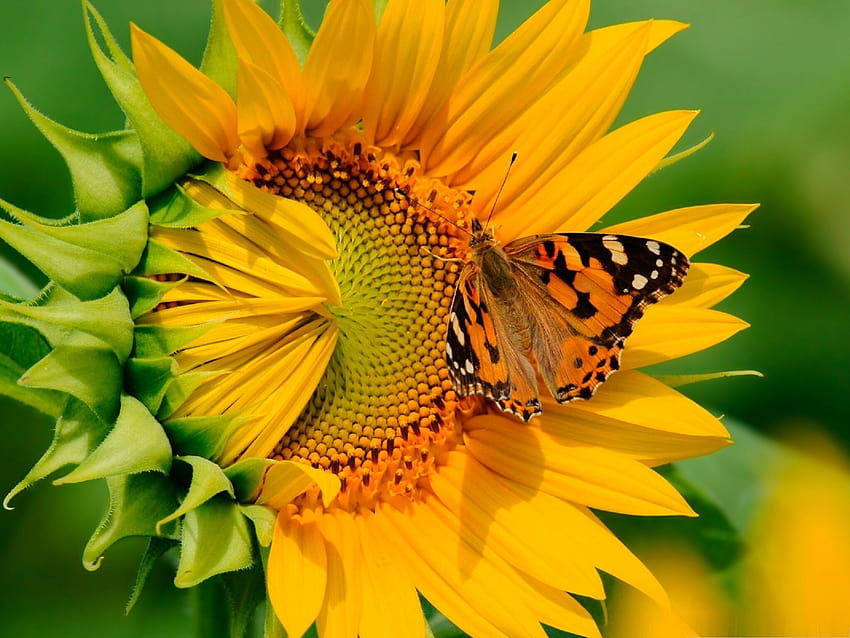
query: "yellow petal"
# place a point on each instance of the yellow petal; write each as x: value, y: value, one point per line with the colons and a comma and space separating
x: 705, y: 286
x: 518, y: 533
x: 660, y: 32
x: 297, y: 573
x: 633, y: 397
x: 221, y: 247
x: 502, y: 85
x: 266, y: 114
x: 287, y: 479
x: 575, y: 112
x: 689, y: 229
x: 447, y: 567
x: 306, y: 229
x: 259, y: 41
x: 340, y: 613
x: 279, y: 390
x: 407, y: 50
x: 650, y: 446
x: 580, y: 193
x: 469, y: 29
x: 587, y: 475
x: 390, y: 604
x: 338, y: 66
x: 199, y: 313
x: 192, y: 104
x: 670, y: 332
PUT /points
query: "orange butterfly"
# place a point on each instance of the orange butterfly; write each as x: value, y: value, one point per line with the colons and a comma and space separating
x: 563, y: 303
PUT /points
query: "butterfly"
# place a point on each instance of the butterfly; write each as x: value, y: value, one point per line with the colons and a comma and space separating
x: 561, y: 303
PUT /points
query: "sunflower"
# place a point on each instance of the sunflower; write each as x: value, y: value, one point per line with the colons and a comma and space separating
x: 286, y: 375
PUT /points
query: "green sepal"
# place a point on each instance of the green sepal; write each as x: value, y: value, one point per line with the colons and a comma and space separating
x: 180, y: 389
x: 166, y: 155
x: 144, y: 293
x: 263, y: 519
x: 20, y: 347
x: 207, y: 480
x: 137, y: 443
x: 203, y: 436
x: 215, y: 539
x: 153, y: 552
x: 161, y: 260
x: 136, y: 503
x: 292, y: 23
x: 121, y: 237
x: 78, y: 432
x: 148, y: 380
x: 64, y: 319
x: 158, y: 341
x: 247, y: 476
x: 84, y: 272
x: 219, y: 61
x: 14, y: 284
x: 174, y: 208
x: 105, y: 168
x: 678, y: 380
x: 246, y: 590
x: 90, y: 373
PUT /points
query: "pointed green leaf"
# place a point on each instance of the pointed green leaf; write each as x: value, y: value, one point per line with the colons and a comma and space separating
x: 86, y: 273
x: 136, y: 444
x: 136, y: 503
x: 153, y: 552
x: 247, y: 476
x: 678, y: 380
x: 181, y: 389
x: 215, y: 539
x: 108, y: 319
x: 121, y: 237
x: 246, y: 589
x: 264, y: 519
x: 105, y: 168
x: 161, y: 260
x: 166, y: 155
x: 203, y: 436
x: 292, y: 22
x: 219, y: 62
x: 207, y: 481
x: 20, y: 347
x: 78, y: 432
x: 158, y: 341
x: 91, y: 374
x: 45, y: 401
x: 148, y: 380
x: 144, y: 293
x: 174, y: 208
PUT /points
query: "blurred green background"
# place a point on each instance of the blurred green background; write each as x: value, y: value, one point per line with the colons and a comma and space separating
x: 772, y: 78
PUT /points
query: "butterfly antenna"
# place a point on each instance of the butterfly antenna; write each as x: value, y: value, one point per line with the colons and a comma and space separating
x: 498, y: 194
x: 415, y: 202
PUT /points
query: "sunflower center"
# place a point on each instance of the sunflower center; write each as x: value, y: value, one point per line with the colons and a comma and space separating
x: 384, y: 411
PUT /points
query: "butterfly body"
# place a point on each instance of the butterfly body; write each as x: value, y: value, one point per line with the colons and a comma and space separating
x: 560, y: 305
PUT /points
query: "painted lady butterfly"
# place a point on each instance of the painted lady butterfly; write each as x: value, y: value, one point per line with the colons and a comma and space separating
x: 566, y: 302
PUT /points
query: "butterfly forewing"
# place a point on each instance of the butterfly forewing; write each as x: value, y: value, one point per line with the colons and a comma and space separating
x: 567, y: 303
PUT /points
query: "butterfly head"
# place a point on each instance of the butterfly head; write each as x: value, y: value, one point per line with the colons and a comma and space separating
x: 481, y: 236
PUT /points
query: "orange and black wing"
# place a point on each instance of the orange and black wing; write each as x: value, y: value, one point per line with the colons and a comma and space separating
x: 585, y: 293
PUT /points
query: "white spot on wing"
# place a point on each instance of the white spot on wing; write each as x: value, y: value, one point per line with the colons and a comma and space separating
x: 639, y: 282
x: 654, y: 247
x: 448, y: 349
x: 659, y: 262
x: 469, y: 367
x: 653, y: 274
x: 618, y: 255
x: 461, y: 337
